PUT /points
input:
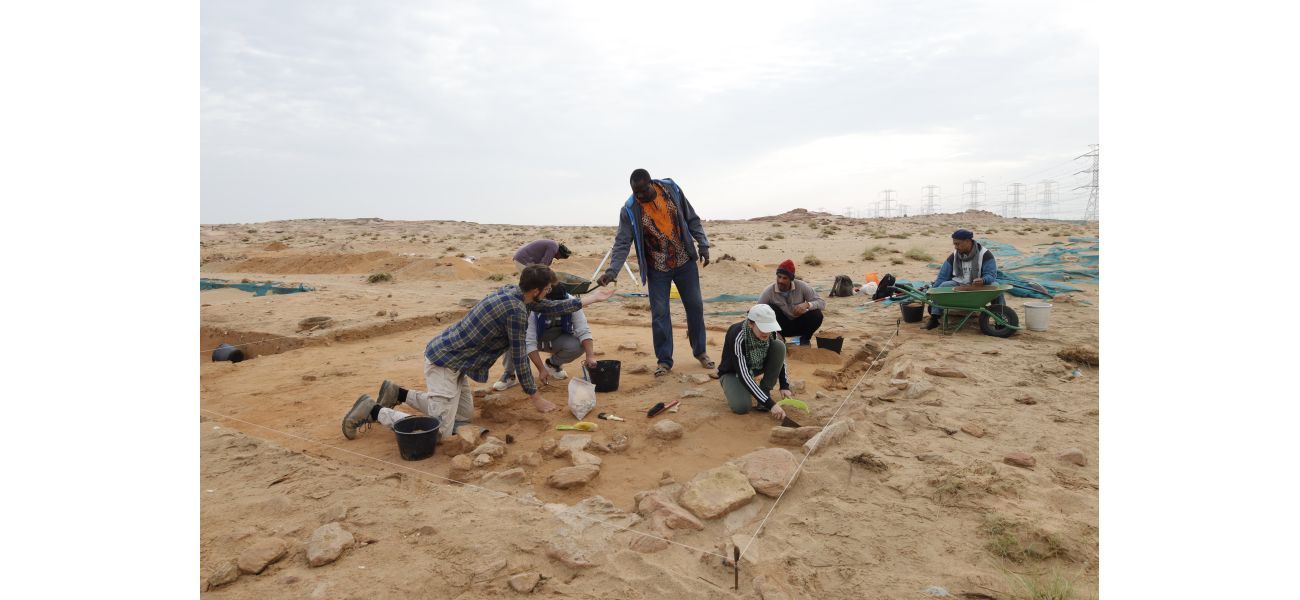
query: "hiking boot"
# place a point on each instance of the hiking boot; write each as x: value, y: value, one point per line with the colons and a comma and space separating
x: 506, y: 382
x: 358, y: 417
x: 388, y: 394
x: 933, y: 323
x: 556, y: 372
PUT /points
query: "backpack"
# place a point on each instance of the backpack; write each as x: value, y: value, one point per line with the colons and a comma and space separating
x: 886, y: 288
x: 843, y: 287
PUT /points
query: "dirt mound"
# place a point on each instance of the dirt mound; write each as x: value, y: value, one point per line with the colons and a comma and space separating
x: 317, y: 264
x: 275, y: 246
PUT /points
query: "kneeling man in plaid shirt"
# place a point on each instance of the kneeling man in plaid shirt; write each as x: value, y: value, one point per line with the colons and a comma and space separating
x: 467, y: 349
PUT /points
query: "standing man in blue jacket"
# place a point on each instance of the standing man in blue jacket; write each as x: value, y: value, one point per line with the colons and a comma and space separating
x: 666, y: 230
x: 969, y: 264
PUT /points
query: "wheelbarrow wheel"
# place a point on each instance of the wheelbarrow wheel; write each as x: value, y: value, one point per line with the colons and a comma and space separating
x: 990, y: 326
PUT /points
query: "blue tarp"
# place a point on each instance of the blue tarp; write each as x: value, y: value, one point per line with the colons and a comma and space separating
x: 259, y: 288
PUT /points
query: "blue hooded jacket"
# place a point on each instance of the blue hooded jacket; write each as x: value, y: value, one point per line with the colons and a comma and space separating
x: 629, y: 230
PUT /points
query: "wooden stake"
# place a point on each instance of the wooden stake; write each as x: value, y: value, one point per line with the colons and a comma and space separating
x: 736, y: 565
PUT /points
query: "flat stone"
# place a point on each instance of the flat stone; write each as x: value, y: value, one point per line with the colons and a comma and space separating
x: 1073, y: 456
x: 226, y: 572
x: 327, y: 544
x: 699, y: 378
x: 570, y: 556
x: 1027, y: 400
x: 482, y: 460
x: 769, y: 470
x: 973, y: 430
x: 716, y: 492
x: 899, y: 383
x: 692, y: 393
x: 1019, y: 459
x: 792, y: 436
x: 820, y: 395
x: 524, y: 583
x: 548, y: 447
x: 627, y: 346
x: 659, y: 504
x: 492, y: 449
x: 667, y: 430
x: 638, y: 369
x: 570, y: 477
x: 829, y: 435
x: 262, y: 553
x: 571, y: 442
x: 798, y: 385
x: 584, y: 458
x: 944, y: 372
x: 506, y: 478
x: 916, y: 389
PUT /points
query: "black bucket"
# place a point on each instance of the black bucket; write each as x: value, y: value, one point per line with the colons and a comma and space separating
x: 913, y: 312
x: 834, y: 344
x: 227, y: 352
x: 416, y: 437
x: 605, y: 375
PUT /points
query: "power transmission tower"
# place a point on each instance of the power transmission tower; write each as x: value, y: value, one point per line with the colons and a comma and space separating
x: 974, y: 195
x: 1011, y: 208
x: 887, y: 198
x: 1046, y: 197
x: 902, y: 209
x: 1090, y: 211
x: 931, y: 193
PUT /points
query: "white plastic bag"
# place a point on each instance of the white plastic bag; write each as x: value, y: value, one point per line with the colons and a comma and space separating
x: 870, y: 288
x: 582, y: 397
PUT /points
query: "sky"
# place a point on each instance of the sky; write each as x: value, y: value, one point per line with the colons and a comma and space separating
x: 537, y: 112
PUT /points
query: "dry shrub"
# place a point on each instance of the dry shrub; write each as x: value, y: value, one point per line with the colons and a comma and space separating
x: 1080, y: 355
x: 919, y: 254
x: 812, y: 260
x: 379, y: 278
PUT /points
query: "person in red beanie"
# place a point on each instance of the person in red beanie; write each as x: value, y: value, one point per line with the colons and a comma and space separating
x: 798, y: 307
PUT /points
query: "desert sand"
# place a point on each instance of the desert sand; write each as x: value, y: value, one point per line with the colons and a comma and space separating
x: 918, y: 493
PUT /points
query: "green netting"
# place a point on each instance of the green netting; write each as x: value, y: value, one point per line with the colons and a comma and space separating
x: 259, y: 288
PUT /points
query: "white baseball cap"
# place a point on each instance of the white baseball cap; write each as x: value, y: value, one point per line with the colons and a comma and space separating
x: 763, y: 315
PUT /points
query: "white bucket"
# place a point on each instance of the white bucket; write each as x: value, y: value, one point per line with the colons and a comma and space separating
x: 1037, y: 314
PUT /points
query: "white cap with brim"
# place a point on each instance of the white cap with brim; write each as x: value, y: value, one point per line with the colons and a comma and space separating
x: 764, y: 316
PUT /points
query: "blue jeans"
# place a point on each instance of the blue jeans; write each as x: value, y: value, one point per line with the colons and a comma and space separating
x: 687, y: 278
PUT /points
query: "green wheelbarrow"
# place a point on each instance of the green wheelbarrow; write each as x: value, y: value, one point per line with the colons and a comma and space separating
x: 997, y: 320
x: 573, y: 284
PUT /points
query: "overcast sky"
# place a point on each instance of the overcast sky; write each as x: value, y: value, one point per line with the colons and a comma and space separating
x: 537, y: 112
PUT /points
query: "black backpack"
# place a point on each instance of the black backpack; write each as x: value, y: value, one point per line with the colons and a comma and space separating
x: 843, y: 287
x: 886, y: 287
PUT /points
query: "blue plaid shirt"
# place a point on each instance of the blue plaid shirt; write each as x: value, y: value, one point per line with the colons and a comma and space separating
x: 497, y: 322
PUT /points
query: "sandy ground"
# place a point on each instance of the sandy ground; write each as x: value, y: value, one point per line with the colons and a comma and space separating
x: 939, y: 508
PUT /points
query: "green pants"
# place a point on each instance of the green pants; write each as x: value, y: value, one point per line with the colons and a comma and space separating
x: 739, y: 398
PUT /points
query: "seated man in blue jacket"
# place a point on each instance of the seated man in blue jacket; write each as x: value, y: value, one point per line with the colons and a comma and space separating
x: 969, y: 264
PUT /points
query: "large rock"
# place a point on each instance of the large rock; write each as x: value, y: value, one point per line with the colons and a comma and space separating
x: 504, y: 479
x: 792, y: 436
x: 693, y: 393
x: 492, y: 449
x: 571, y: 442
x: 660, y: 505
x: 584, y: 458
x: 262, y: 553
x: 769, y: 470
x: 944, y: 372
x: 1073, y: 456
x: 529, y: 459
x: 717, y: 492
x: 667, y: 430
x: 829, y: 435
x: 1020, y: 459
x: 627, y: 346
x: 482, y: 460
x: 226, y: 572
x: 525, y: 582
x: 327, y: 543
x: 460, y: 464
x: 570, y: 477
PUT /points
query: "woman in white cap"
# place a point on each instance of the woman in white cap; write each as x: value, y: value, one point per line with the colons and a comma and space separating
x: 754, y: 347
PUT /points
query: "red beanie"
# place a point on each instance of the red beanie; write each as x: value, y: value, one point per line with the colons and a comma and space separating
x: 786, y: 267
